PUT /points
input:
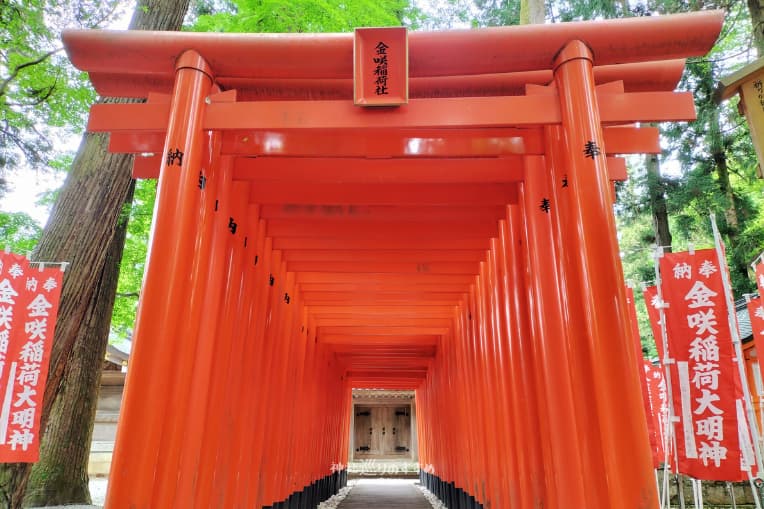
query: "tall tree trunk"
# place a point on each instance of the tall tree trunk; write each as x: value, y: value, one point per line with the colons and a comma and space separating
x: 61, y: 475
x: 80, y: 230
x: 756, y: 9
x: 658, y: 208
x: 738, y: 268
x: 532, y: 12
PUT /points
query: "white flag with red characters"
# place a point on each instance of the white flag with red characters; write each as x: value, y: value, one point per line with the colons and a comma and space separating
x: 713, y: 442
x: 29, y: 299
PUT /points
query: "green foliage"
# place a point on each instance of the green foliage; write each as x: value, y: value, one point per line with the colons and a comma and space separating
x: 593, y: 9
x: 303, y: 16
x: 42, y: 97
x: 19, y: 232
x: 498, y: 12
x: 133, y: 258
x: 444, y: 14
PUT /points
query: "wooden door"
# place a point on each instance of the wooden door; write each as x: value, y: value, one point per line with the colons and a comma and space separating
x: 382, y: 431
x: 386, y: 433
x: 401, y: 419
x: 363, y: 430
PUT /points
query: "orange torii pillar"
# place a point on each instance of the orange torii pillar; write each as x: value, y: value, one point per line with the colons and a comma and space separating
x: 199, y: 434
x: 565, y: 484
x: 164, y: 300
x: 218, y: 185
x: 594, y: 278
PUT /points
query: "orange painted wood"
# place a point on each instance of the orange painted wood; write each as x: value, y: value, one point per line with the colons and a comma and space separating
x: 380, y: 143
x: 623, y: 427
x: 362, y: 288
x: 391, y: 256
x: 265, y: 299
x: 565, y: 483
x: 268, y: 193
x: 398, y: 170
x: 385, y: 213
x: 419, y: 298
x: 358, y: 228
x: 234, y: 370
x: 567, y: 238
x: 147, y: 166
x: 329, y: 56
x: 420, y: 113
x: 412, y: 143
x: 212, y: 473
x: 290, y: 243
x: 498, y: 303
x: 362, y: 341
x: 637, y: 77
x: 401, y: 248
x: 383, y: 330
x: 382, y: 321
x: 252, y: 357
x: 616, y: 169
x: 192, y: 356
x: 218, y: 186
x: 385, y: 83
x: 392, y: 279
x: 631, y: 140
x: 164, y: 296
x: 377, y: 143
x: 386, y: 267
x: 365, y: 310
x: 521, y: 386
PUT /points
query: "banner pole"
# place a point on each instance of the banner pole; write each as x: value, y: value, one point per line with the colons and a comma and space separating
x: 680, y: 490
x: 695, y: 499
x: 731, y: 491
x: 732, y: 318
x: 754, y: 490
x: 666, y: 361
x: 658, y: 487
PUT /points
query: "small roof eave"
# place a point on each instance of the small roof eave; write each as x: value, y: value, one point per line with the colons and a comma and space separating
x: 729, y: 85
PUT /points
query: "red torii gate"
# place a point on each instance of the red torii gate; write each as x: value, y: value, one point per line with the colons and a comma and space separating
x: 462, y: 245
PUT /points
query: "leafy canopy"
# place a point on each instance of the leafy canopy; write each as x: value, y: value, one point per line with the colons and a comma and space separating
x: 42, y: 97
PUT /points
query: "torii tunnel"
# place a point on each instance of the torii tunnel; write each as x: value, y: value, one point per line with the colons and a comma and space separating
x: 462, y: 245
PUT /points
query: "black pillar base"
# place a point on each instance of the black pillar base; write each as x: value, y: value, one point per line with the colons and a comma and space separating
x: 314, y: 493
x: 451, y: 495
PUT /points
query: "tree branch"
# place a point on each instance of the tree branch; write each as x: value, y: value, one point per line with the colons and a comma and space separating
x: 106, y: 16
x: 7, y: 81
x: 40, y: 96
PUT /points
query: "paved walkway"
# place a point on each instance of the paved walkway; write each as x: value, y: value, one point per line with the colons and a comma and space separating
x: 385, y: 494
